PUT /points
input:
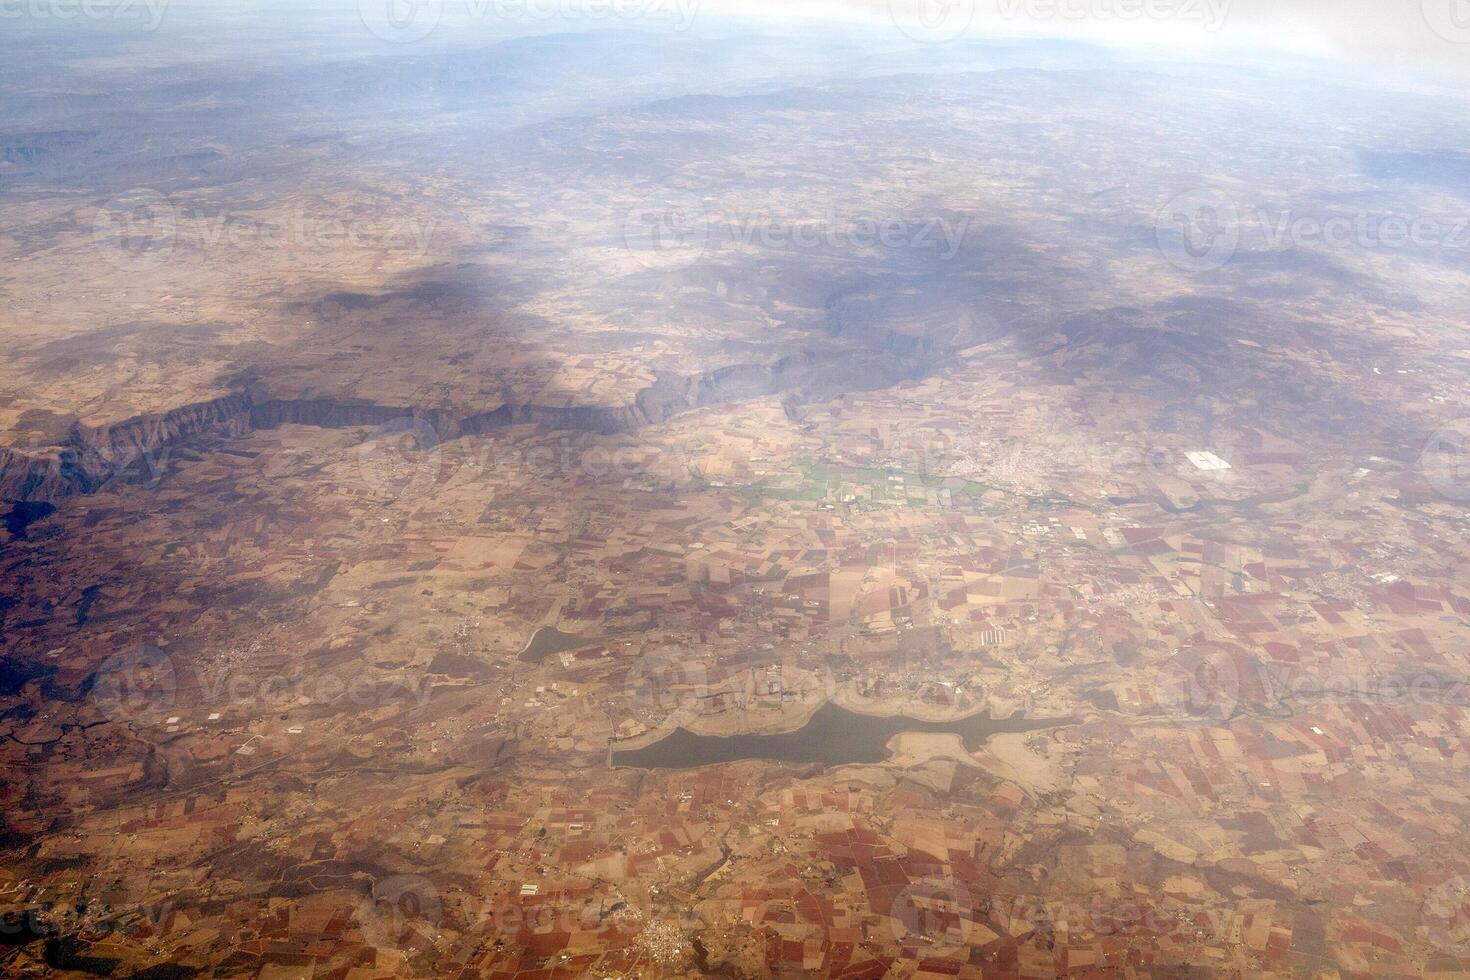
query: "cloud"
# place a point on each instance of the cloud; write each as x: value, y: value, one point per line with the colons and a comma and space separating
x: 1402, y: 33
x: 1384, y: 35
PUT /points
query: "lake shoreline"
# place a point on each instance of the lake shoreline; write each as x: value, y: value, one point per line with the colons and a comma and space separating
x: 833, y: 734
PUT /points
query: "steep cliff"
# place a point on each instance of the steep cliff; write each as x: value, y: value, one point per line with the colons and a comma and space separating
x: 90, y: 457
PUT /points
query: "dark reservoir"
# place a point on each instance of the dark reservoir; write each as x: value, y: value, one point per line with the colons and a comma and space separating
x: 548, y: 641
x: 834, y: 736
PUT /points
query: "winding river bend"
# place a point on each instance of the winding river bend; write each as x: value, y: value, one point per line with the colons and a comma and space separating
x: 834, y: 736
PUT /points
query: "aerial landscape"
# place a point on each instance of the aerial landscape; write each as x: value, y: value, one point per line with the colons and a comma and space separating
x: 643, y: 488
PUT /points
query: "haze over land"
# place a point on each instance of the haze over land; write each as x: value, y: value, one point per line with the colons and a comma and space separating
x: 410, y: 429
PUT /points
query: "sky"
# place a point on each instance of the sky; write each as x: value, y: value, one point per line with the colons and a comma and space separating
x: 1380, y: 35
x: 1398, y: 40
